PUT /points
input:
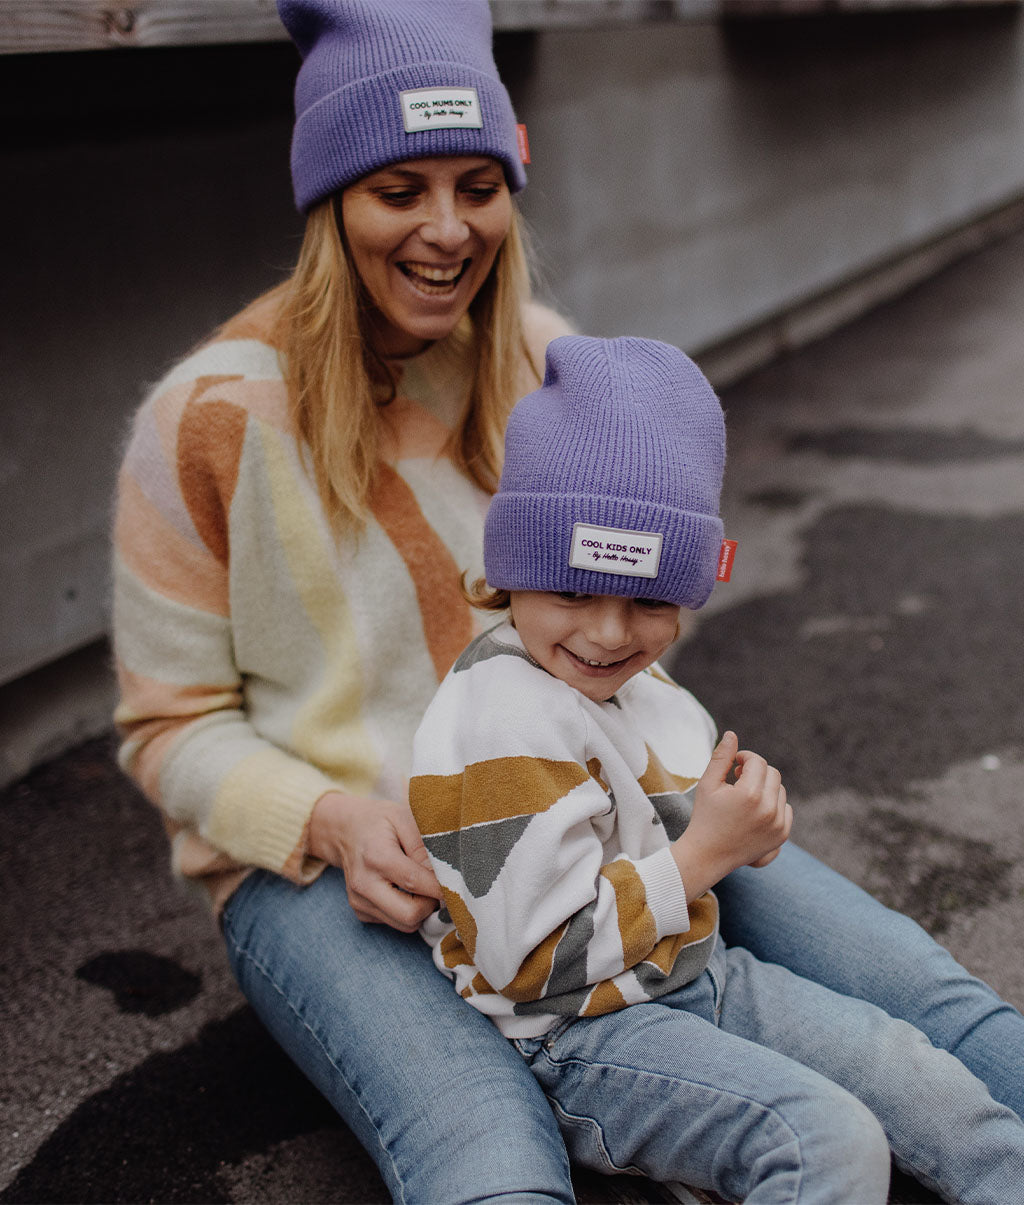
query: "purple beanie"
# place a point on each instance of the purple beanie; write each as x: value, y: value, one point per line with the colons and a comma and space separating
x: 613, y: 471
x: 386, y: 80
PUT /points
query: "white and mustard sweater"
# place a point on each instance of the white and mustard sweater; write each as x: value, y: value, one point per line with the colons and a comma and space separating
x: 548, y: 820
x: 261, y: 661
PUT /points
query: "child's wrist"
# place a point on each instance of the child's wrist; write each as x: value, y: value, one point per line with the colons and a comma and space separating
x: 697, y: 871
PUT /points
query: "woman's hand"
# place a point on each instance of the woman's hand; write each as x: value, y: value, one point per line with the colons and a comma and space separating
x: 738, y: 823
x: 378, y: 846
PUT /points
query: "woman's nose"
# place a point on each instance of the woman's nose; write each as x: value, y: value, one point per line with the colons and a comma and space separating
x: 445, y: 226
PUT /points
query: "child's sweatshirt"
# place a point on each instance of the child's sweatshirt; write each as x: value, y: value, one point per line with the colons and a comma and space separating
x: 548, y: 820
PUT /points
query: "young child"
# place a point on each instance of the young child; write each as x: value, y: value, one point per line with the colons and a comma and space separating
x: 577, y: 813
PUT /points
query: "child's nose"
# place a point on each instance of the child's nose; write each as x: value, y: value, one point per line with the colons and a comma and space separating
x: 610, y: 626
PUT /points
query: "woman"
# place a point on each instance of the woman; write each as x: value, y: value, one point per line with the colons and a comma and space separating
x: 299, y: 500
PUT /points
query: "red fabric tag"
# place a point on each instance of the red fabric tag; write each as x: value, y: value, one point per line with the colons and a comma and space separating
x: 725, y: 559
x: 524, y: 143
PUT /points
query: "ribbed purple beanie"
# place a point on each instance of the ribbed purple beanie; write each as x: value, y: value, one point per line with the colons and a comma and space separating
x: 387, y: 80
x: 612, y: 477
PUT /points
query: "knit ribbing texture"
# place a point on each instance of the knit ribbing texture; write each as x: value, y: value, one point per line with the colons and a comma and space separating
x: 358, y: 57
x: 624, y: 434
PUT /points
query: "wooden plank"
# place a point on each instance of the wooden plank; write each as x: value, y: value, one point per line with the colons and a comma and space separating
x: 34, y: 26
x: 48, y: 25
x: 28, y: 26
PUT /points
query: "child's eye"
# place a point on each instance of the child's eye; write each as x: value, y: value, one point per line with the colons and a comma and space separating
x: 652, y: 604
x: 572, y: 596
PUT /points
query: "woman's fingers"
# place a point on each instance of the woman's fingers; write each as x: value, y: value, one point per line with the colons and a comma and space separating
x: 414, y: 871
x: 390, y: 886
x: 387, y: 905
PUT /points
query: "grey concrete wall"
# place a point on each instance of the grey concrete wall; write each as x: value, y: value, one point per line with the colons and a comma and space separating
x: 690, y: 180
x: 147, y: 199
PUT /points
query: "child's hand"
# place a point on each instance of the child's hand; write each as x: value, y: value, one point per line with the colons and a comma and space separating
x: 736, y: 822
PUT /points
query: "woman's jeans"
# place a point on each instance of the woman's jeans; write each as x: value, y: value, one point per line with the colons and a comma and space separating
x: 446, y: 1106
x: 767, y: 1087
x: 441, y: 1101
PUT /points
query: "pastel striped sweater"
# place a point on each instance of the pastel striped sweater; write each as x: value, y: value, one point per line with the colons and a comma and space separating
x: 548, y: 819
x: 262, y: 662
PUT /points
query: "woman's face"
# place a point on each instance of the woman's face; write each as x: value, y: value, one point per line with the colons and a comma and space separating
x: 423, y: 235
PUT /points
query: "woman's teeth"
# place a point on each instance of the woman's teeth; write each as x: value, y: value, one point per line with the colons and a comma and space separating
x: 430, y: 277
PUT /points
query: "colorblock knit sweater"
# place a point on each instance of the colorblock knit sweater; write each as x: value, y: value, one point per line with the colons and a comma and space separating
x: 261, y: 662
x: 548, y: 819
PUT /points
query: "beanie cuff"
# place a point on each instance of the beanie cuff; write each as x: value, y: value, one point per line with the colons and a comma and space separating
x: 528, y: 545
x: 359, y: 128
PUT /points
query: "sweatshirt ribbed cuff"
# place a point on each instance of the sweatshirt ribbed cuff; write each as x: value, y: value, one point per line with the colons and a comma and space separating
x: 666, y: 896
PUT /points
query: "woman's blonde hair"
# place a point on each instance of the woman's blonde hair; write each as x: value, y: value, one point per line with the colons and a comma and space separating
x: 336, y: 383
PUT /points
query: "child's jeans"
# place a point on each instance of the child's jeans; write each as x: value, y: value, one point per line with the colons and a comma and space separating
x: 749, y: 1081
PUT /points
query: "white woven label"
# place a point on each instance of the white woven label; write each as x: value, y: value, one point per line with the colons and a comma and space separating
x: 609, y: 550
x: 440, y: 109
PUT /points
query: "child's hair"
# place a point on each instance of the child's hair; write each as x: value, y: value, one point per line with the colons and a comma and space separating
x: 485, y: 597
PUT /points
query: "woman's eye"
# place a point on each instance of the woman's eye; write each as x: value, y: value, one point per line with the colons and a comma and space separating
x: 482, y: 193
x: 397, y: 196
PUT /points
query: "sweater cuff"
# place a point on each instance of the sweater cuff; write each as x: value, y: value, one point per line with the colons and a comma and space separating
x: 266, y: 825
x: 666, y: 896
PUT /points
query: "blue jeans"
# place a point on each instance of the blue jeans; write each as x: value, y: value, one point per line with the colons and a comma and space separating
x: 767, y: 1087
x: 307, y: 967
x: 444, y: 1105
x: 801, y: 914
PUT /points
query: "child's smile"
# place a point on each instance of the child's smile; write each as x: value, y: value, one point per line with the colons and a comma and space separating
x: 595, y: 643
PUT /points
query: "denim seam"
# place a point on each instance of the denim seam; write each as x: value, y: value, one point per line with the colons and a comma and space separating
x: 660, y: 1075
x: 244, y: 953
x: 561, y: 1112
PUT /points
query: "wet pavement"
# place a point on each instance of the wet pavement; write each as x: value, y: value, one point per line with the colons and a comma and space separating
x: 869, y: 643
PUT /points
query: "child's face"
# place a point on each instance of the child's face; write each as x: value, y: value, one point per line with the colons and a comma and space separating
x: 595, y: 642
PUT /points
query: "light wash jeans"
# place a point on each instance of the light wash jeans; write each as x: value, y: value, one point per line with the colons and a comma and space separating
x: 767, y: 1087
x: 801, y: 914
x: 446, y: 1106
x: 443, y: 1104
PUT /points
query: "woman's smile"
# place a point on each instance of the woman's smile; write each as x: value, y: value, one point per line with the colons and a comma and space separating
x: 433, y: 279
x: 423, y: 236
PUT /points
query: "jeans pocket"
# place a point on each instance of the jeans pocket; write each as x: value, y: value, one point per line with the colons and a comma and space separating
x: 529, y: 1048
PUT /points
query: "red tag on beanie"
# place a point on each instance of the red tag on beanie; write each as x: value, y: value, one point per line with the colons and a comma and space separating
x: 725, y: 559
x: 524, y: 143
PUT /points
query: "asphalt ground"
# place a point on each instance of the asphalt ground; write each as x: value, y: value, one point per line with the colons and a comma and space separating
x: 869, y: 643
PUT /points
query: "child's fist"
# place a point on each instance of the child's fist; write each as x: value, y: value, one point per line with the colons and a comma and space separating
x: 740, y: 817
